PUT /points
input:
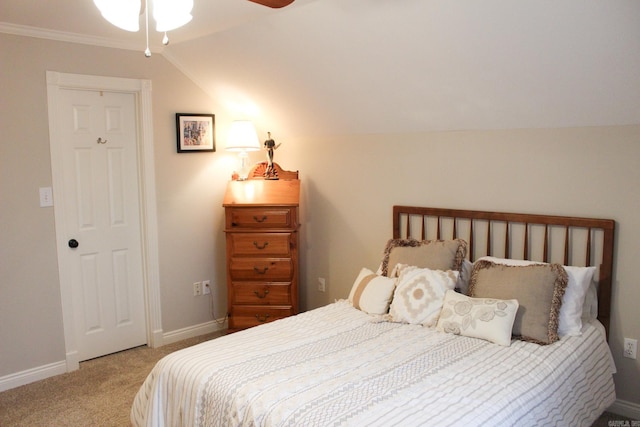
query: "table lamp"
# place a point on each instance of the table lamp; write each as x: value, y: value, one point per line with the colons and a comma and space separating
x: 242, y: 138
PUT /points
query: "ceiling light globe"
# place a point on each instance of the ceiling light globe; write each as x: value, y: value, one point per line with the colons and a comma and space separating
x: 171, y: 14
x: 124, y: 14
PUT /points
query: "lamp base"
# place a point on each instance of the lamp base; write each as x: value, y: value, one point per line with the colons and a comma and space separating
x: 244, y: 166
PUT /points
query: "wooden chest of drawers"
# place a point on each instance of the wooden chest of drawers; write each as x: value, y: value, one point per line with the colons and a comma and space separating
x: 261, y: 225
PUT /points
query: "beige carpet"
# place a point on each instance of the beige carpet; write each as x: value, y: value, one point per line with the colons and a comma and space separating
x: 100, y: 393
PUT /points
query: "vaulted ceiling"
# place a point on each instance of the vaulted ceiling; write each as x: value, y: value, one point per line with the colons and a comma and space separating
x: 381, y: 66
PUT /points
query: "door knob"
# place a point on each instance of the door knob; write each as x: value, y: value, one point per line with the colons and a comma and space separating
x: 73, y: 243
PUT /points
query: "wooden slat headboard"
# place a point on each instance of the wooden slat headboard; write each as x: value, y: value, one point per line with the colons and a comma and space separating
x: 547, y: 238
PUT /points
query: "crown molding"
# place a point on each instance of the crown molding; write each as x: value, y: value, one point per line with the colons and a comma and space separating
x: 63, y: 36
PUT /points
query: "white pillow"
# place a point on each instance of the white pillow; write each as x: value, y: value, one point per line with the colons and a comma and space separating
x: 465, y: 276
x: 574, y: 298
x: 419, y: 294
x: 570, y: 321
x: 372, y: 293
x: 590, y: 307
x: 485, y: 318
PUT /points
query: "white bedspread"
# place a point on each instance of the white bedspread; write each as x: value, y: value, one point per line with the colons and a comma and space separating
x: 338, y: 366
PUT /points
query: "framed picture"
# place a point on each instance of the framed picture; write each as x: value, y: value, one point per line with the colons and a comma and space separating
x: 196, y: 132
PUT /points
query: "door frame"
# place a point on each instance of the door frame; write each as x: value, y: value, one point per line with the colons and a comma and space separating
x: 141, y: 89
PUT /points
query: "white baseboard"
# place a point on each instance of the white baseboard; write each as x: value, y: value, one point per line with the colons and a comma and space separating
x: 194, y: 331
x: 73, y: 361
x: 70, y: 364
x: 626, y: 409
x: 31, y: 375
x: 155, y: 339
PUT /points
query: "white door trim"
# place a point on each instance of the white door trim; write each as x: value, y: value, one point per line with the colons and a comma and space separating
x: 148, y: 212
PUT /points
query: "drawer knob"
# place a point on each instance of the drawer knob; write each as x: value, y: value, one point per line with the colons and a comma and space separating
x: 261, y: 219
x: 262, y: 270
x: 264, y: 245
x: 264, y: 295
x: 262, y: 318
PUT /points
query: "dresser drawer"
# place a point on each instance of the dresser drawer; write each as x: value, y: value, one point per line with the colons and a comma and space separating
x: 263, y: 244
x: 264, y: 217
x: 261, y: 226
x: 267, y: 269
x: 257, y: 293
x: 246, y: 316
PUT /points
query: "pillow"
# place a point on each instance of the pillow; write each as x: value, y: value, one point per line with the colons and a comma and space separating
x: 433, y: 254
x: 571, y: 312
x: 371, y: 293
x: 419, y: 294
x: 580, y: 278
x: 590, y: 307
x: 537, y: 287
x: 465, y: 275
x: 484, y: 318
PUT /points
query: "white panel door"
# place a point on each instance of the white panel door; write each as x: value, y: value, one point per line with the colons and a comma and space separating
x: 102, y: 216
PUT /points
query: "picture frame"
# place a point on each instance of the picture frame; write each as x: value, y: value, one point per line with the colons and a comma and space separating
x: 195, y: 132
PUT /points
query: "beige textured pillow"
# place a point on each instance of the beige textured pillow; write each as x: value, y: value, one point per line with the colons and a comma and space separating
x: 538, y: 289
x: 580, y: 279
x: 372, y: 293
x: 419, y: 294
x: 485, y: 318
x: 433, y: 254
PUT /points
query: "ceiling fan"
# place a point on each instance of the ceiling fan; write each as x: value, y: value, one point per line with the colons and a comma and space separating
x: 276, y: 4
x: 168, y: 14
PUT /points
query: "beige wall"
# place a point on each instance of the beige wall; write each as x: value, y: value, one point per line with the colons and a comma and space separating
x: 189, y: 192
x: 350, y: 183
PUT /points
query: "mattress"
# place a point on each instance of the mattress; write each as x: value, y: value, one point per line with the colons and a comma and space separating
x: 336, y: 365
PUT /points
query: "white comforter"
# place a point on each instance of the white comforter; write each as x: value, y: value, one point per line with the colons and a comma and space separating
x: 338, y: 366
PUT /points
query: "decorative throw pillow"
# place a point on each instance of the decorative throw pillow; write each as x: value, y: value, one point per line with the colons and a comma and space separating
x: 372, y: 293
x: 484, y: 318
x: 433, y: 254
x: 419, y: 294
x: 538, y: 288
x: 571, y: 311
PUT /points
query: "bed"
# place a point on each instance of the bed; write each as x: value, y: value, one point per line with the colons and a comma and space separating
x: 475, y: 356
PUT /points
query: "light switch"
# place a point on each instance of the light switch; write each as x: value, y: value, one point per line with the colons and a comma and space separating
x: 46, y: 197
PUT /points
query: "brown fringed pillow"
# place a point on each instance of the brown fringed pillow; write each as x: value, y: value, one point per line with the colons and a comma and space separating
x: 433, y: 254
x: 538, y: 289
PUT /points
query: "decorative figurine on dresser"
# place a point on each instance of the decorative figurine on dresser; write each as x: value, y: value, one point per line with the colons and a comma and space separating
x: 261, y: 226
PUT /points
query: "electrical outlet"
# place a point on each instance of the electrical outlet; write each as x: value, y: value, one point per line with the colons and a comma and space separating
x: 46, y: 197
x: 630, y: 348
x: 197, y: 289
x: 206, y: 287
x: 322, y: 284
